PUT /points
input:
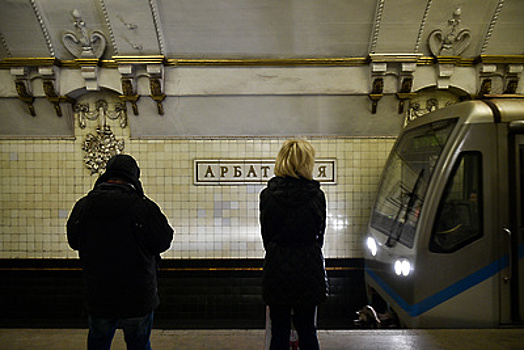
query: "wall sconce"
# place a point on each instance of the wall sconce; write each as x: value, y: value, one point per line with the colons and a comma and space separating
x: 485, y: 87
x: 23, y: 87
x: 53, y: 97
x: 376, y: 94
x: 402, y: 66
x: 128, y: 66
x: 405, y: 93
x: 511, y: 78
x: 156, y: 93
x: 156, y: 77
x: 129, y: 93
x: 24, y: 93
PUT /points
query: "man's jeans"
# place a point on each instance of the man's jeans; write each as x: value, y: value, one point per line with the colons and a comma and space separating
x: 137, y: 331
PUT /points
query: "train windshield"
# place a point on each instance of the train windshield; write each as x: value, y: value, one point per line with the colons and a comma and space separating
x: 404, y: 181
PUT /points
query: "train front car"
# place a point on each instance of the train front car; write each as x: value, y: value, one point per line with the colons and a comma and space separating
x: 436, y: 251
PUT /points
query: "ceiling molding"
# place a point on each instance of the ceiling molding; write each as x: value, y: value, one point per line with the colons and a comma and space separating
x: 284, y: 62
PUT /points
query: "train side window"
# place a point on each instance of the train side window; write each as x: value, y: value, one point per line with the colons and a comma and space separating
x: 459, y: 217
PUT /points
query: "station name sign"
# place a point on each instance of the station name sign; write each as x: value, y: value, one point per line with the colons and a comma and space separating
x: 248, y: 171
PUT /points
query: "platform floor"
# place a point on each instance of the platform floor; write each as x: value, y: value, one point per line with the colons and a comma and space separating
x: 463, y: 339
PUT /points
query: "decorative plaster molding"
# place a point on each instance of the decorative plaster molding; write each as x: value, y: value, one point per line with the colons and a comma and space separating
x: 376, y: 29
x: 300, y: 62
x: 109, y: 27
x: 445, y: 69
x: 422, y: 25
x: 447, y: 47
x: 5, y: 46
x: 43, y: 27
x: 82, y: 45
x: 494, y: 19
x: 87, y: 49
x: 156, y: 20
x: 100, y: 112
x: 429, y: 100
x: 416, y: 110
x: 100, y: 147
x: 451, y: 43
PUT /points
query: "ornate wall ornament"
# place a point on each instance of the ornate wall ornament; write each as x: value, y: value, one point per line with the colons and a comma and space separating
x: 156, y: 94
x: 402, y: 66
x: 82, y: 45
x: 377, y: 92
x: 23, y: 87
x: 376, y: 29
x: 53, y: 97
x: 129, y: 93
x: 491, y: 27
x: 485, y: 87
x: 155, y: 72
x: 512, y: 78
x: 405, y: 93
x: 158, y: 26
x: 100, y: 148
x: 24, y: 93
x: 418, y: 109
x: 129, y: 86
x: 156, y: 85
x: 431, y: 99
x: 451, y: 43
x: 87, y: 49
x: 101, y: 112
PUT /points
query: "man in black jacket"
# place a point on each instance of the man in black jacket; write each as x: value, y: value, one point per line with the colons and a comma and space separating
x: 119, y: 234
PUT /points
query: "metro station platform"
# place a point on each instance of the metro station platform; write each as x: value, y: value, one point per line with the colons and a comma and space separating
x: 435, y: 339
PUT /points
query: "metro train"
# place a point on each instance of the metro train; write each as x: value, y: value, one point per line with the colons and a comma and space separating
x: 445, y: 243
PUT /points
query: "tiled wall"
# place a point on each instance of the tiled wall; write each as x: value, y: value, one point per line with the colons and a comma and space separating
x: 40, y: 180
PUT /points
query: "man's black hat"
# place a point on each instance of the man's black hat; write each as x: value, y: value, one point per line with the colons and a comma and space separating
x: 125, y: 167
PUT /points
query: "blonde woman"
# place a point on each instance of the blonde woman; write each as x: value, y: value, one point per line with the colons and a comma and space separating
x: 293, y: 221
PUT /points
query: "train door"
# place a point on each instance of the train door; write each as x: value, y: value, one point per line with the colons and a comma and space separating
x: 513, y: 278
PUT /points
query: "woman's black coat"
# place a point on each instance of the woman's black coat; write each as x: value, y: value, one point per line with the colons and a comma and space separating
x: 293, y: 221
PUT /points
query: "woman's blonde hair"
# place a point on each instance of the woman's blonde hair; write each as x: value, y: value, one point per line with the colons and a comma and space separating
x: 296, y: 158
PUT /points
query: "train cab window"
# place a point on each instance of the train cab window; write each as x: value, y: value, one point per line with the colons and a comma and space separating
x: 459, y: 217
x: 405, y: 179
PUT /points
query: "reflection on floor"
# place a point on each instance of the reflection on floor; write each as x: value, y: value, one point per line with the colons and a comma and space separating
x: 464, y: 339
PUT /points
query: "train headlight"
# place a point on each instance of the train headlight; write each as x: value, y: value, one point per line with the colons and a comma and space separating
x: 402, y: 267
x: 372, y: 245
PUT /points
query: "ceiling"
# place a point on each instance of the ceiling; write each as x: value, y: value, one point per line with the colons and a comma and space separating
x: 251, y: 29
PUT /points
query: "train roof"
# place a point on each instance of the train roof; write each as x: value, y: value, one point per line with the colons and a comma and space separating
x: 492, y: 110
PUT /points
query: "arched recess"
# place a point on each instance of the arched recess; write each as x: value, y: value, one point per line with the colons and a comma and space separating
x: 430, y: 99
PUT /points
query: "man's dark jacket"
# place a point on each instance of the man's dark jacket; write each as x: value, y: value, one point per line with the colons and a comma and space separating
x: 293, y: 221
x: 119, y: 234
